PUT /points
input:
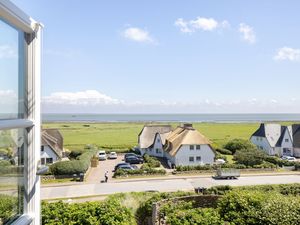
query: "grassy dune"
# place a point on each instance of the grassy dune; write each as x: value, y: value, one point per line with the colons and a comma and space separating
x: 124, y: 135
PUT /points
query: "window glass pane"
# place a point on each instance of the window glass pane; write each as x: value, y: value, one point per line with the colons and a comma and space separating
x: 11, y: 174
x: 11, y: 72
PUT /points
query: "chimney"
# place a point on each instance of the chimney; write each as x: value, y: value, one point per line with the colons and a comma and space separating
x: 187, y: 126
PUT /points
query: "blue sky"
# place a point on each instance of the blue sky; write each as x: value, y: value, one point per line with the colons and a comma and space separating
x: 169, y: 56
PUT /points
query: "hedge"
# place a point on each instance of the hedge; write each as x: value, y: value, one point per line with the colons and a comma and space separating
x: 8, y: 207
x: 259, y: 208
x: 151, y: 161
x: 205, y: 216
x: 284, y: 189
x: 108, y: 212
x: 224, y: 151
x: 147, y: 171
x: 80, y: 165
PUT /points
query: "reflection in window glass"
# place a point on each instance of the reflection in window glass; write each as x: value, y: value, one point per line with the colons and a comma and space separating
x: 11, y: 174
x: 11, y: 73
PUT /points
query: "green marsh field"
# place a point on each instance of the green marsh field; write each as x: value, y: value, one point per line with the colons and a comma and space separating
x: 122, y: 136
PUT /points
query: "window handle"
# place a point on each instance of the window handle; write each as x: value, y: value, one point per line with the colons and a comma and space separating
x: 42, y: 170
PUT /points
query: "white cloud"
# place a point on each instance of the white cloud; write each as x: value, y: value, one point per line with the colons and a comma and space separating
x: 93, y: 101
x: 200, y: 23
x: 248, y: 33
x: 138, y: 35
x: 287, y: 53
x: 7, y: 52
x: 88, y: 97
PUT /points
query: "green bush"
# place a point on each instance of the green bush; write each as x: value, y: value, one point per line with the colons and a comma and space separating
x: 4, y: 163
x: 144, y: 171
x: 259, y: 208
x: 191, y: 168
x: 80, y: 165
x: 205, y: 216
x: 151, y: 161
x: 234, y: 166
x: 224, y: 151
x: 105, y: 213
x: 250, y: 156
x: 218, y: 190
x: 238, y: 144
x: 145, y: 209
x: 8, y: 207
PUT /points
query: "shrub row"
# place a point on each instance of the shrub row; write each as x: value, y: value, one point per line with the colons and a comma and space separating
x: 8, y: 207
x: 224, y: 151
x: 151, y: 161
x: 284, y: 189
x: 144, y: 171
x: 107, y: 213
x: 80, y: 165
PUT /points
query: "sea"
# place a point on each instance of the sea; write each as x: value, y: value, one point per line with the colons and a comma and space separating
x: 217, y: 118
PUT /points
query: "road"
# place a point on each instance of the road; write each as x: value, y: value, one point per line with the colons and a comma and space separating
x: 165, y: 185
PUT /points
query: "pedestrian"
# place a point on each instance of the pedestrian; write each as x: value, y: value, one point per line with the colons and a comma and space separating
x: 106, y: 176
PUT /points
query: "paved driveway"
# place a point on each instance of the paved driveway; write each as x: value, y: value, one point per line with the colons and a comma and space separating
x: 96, y: 175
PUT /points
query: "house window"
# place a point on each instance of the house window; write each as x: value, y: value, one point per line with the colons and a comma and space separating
x: 198, y: 158
x: 19, y: 113
x: 198, y: 147
x: 43, y: 162
x: 49, y: 160
x: 42, y: 148
x: 191, y: 159
x: 158, y: 141
x: 157, y: 151
x: 191, y: 147
x: 286, y: 140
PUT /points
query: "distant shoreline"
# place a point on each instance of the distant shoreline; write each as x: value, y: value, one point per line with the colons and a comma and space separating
x: 169, y: 118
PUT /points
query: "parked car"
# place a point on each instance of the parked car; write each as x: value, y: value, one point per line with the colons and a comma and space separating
x: 220, y: 161
x: 127, y: 167
x: 131, y: 154
x: 112, y: 155
x: 134, y: 160
x: 120, y: 164
x: 102, y: 155
x: 289, y: 158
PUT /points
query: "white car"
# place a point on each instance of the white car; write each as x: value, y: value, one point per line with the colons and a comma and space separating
x: 102, y: 155
x: 112, y: 155
x: 289, y: 158
x: 220, y: 161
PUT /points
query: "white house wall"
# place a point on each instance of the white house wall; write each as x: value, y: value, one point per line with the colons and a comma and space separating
x: 49, y: 153
x: 184, y: 153
x: 286, y: 144
x: 263, y: 144
x: 297, y: 152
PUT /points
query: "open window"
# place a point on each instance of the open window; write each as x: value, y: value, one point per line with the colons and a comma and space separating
x: 19, y: 116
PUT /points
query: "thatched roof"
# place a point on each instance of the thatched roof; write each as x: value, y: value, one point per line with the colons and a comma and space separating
x: 53, y: 139
x: 184, y: 135
x: 147, y: 135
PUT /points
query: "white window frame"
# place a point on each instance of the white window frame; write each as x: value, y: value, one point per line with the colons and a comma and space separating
x: 32, y: 116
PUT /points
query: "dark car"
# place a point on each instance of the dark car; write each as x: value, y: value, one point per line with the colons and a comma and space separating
x: 127, y: 167
x: 121, y: 164
x: 134, y: 160
x: 131, y: 154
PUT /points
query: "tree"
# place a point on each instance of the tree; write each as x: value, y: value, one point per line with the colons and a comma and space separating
x: 249, y: 157
x: 238, y: 144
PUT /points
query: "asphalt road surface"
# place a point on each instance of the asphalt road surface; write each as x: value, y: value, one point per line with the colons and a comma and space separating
x: 165, y: 185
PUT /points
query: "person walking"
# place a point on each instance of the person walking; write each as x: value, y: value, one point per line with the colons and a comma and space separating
x: 106, y: 176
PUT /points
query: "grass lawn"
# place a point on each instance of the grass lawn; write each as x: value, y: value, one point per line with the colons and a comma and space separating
x: 121, y: 136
